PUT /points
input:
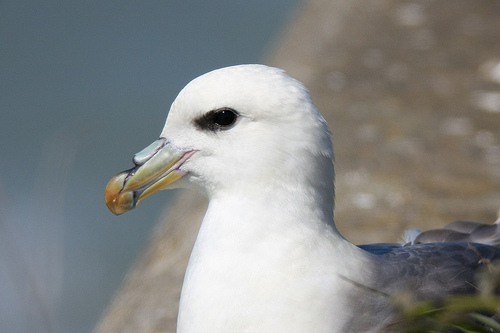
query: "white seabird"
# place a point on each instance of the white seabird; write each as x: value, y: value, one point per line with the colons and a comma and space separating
x: 268, y: 257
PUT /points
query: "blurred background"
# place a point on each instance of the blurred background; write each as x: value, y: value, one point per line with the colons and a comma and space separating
x: 83, y: 86
x: 410, y: 89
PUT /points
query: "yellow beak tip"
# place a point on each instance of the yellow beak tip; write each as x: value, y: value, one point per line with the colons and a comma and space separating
x: 117, y: 200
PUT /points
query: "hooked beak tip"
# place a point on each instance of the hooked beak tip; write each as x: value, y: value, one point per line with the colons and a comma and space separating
x: 116, y: 199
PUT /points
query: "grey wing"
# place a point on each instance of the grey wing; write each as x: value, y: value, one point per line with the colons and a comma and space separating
x: 424, y: 272
x: 430, y: 271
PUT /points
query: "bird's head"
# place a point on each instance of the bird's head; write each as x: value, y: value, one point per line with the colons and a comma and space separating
x: 228, y: 130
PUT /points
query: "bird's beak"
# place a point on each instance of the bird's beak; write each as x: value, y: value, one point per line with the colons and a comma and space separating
x: 156, y: 166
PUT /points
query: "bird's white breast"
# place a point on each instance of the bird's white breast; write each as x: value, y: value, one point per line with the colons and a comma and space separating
x: 256, y: 272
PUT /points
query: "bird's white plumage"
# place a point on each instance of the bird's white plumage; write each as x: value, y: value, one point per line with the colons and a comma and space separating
x: 267, y: 254
x: 268, y: 257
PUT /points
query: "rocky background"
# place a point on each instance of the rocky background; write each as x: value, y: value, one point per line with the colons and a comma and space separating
x: 411, y: 91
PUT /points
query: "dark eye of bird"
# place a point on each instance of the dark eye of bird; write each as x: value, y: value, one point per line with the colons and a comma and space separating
x: 217, y: 120
x: 224, y: 117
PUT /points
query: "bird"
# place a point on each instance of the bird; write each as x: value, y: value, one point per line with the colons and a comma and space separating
x: 268, y: 257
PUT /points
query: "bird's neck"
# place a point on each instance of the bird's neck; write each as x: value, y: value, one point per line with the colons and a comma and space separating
x: 260, y: 261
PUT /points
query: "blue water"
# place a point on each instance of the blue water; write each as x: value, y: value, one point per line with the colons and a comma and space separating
x: 83, y: 86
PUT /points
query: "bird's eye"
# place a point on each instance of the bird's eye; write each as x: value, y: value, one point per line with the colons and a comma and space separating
x: 217, y: 120
x: 224, y: 117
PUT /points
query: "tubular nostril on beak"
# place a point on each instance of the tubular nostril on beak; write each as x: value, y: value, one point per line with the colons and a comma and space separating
x: 144, y: 155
